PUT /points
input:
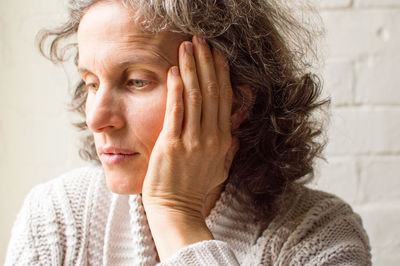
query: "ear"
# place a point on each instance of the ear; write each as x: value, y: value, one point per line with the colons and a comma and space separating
x: 242, y: 104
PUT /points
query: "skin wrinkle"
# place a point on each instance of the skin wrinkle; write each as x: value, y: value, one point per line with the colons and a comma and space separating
x: 116, y: 36
x: 140, y: 60
x: 150, y: 60
x: 113, y: 50
x: 275, y: 64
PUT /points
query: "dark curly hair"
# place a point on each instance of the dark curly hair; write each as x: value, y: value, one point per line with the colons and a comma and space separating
x: 269, y: 50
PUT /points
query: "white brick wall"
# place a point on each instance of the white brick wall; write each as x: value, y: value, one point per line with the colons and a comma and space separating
x: 361, y: 75
x: 376, y: 3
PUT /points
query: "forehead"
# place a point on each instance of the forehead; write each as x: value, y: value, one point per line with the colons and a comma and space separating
x: 105, y: 20
x: 107, y: 29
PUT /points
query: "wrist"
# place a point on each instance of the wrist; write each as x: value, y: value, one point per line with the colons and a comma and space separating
x: 173, y: 230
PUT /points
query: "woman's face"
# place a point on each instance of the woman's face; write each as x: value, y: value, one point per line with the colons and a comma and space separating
x: 125, y: 71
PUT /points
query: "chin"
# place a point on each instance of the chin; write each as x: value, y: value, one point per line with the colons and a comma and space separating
x: 124, y: 183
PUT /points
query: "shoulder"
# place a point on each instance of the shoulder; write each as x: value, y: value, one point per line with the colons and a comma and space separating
x: 315, y: 227
x: 54, y: 217
x: 66, y: 199
x: 68, y: 189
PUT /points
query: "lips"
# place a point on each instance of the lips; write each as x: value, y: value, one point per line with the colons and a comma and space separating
x: 113, y: 155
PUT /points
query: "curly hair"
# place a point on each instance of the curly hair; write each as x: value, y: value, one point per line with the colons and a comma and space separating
x: 270, y: 50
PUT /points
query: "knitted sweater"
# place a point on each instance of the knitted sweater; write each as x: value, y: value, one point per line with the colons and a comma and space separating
x: 76, y: 220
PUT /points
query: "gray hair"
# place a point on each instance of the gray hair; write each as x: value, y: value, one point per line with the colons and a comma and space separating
x: 270, y: 47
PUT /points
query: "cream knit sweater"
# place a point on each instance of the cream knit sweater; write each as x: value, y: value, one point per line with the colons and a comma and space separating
x: 76, y: 220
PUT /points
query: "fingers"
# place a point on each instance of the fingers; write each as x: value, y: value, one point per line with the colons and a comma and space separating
x: 225, y: 91
x: 174, y: 109
x: 207, y: 89
x: 208, y: 84
x: 192, y: 95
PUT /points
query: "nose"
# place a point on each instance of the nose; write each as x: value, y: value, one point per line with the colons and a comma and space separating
x: 103, y: 110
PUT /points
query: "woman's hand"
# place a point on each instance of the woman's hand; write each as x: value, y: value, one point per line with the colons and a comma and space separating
x: 194, y: 150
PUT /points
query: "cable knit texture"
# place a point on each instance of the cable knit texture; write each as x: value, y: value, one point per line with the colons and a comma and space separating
x: 76, y: 220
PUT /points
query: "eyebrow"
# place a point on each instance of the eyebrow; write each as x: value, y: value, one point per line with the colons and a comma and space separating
x: 154, y: 59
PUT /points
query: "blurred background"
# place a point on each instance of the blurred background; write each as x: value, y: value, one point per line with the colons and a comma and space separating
x: 362, y: 54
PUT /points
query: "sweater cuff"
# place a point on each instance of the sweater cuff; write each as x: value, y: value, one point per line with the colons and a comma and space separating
x: 208, y: 252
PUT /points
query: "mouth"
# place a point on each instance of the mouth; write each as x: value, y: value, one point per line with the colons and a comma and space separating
x: 113, y: 156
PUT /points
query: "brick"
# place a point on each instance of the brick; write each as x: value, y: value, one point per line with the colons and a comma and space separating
x: 380, y: 178
x: 332, y: 3
x: 338, y: 82
x: 375, y: 82
x: 376, y: 3
x: 339, y: 176
x: 381, y: 221
x: 364, y: 130
x: 349, y: 38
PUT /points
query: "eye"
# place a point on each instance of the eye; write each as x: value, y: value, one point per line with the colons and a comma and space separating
x: 137, y: 83
x: 92, y: 86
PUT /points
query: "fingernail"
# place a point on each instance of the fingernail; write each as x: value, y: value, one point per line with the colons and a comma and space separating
x: 189, y: 48
x: 201, y: 40
x: 175, y: 71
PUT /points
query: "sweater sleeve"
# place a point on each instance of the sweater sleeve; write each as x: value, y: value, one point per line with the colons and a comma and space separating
x: 314, y: 228
x: 320, y: 229
x: 209, y: 252
x: 341, y: 241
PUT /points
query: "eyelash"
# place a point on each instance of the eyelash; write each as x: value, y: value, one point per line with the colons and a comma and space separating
x: 144, y: 83
x: 90, y: 86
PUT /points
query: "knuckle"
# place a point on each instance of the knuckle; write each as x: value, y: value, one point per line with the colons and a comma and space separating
x: 176, y: 109
x: 213, y: 142
x: 195, y: 97
x: 173, y: 146
x: 212, y: 89
x: 194, y: 146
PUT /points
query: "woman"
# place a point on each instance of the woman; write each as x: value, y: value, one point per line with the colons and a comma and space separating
x: 201, y: 117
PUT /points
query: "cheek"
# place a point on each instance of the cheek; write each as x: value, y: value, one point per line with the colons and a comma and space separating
x: 148, y: 119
